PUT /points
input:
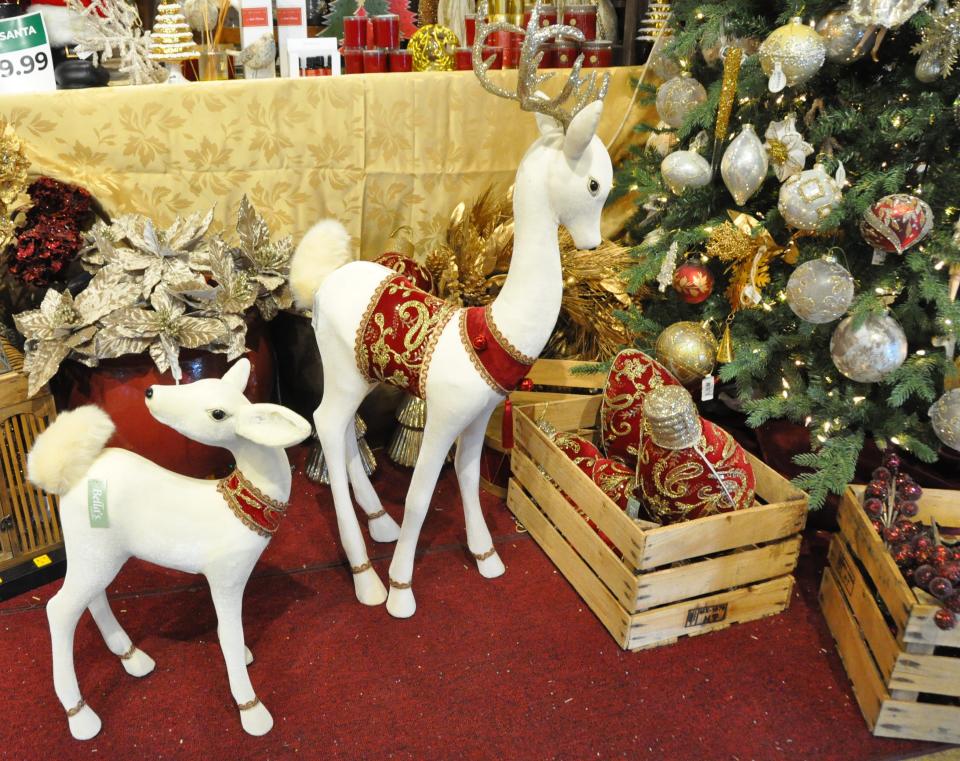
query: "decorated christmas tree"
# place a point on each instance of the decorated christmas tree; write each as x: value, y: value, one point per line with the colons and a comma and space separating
x: 171, y: 40
x: 800, y: 199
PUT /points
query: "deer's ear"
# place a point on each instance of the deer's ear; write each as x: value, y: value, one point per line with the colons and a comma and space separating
x: 271, y: 425
x: 581, y: 130
x: 238, y: 375
x: 546, y: 124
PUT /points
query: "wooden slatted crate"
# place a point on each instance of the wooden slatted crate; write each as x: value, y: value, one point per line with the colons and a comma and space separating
x: 905, y: 670
x: 29, y: 518
x: 662, y: 582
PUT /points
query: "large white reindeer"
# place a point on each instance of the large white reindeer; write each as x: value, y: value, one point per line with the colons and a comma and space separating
x: 116, y: 504
x: 564, y: 178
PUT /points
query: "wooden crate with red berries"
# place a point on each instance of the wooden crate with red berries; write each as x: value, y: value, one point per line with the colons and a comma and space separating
x: 905, y: 669
x: 651, y: 585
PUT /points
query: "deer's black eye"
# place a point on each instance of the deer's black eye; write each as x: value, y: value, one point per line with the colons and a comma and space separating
x: 594, y: 187
x: 218, y: 414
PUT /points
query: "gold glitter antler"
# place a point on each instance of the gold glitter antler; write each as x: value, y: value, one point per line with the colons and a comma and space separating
x: 584, y: 89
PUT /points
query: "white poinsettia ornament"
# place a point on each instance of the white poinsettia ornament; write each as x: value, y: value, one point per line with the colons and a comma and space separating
x: 786, y: 148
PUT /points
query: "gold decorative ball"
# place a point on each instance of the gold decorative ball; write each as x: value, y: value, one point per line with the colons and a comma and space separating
x: 796, y: 49
x: 688, y: 350
x: 432, y: 47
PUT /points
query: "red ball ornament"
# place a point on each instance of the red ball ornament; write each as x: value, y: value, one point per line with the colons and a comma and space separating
x: 951, y: 571
x: 480, y: 342
x: 953, y: 602
x: 877, y: 525
x: 924, y: 574
x: 940, y: 588
x: 922, y: 543
x: 526, y: 384
x: 903, y: 556
x: 873, y: 506
x: 891, y: 460
x: 944, y: 619
x: 876, y: 489
x: 693, y: 282
x: 910, y: 491
x: 909, y: 509
x: 940, y: 554
x: 892, y: 535
x: 881, y: 474
x: 896, y: 222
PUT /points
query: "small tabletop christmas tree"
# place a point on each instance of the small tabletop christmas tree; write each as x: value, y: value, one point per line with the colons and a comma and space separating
x: 171, y: 41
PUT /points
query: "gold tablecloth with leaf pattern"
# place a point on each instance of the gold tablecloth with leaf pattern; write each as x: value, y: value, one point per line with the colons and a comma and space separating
x: 378, y: 152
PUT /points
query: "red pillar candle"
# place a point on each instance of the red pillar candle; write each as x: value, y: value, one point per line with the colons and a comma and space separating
x: 549, y: 60
x: 597, y: 53
x: 497, y: 53
x: 374, y: 61
x: 386, y: 31
x: 583, y: 17
x: 355, y: 31
x: 353, y: 60
x: 463, y: 59
x: 548, y: 16
x: 511, y: 57
x: 401, y: 60
x: 564, y: 54
x: 470, y: 24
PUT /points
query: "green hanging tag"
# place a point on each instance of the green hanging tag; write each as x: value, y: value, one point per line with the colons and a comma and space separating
x: 97, y: 503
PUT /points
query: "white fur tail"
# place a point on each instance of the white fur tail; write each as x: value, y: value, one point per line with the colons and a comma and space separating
x: 324, y: 248
x: 64, y: 452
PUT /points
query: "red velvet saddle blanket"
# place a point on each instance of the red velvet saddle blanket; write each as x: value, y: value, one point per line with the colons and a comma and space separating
x: 400, y: 330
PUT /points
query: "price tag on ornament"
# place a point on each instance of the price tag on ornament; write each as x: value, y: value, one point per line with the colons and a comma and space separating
x: 706, y: 389
x: 26, y: 64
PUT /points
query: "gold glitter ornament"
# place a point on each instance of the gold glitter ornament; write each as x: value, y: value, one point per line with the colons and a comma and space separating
x: 728, y: 90
x: 14, y: 199
x: 677, y: 97
x: 688, y: 350
x: 432, y: 47
x: 791, y: 55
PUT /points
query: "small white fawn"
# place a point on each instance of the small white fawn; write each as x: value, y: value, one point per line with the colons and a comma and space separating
x: 116, y: 505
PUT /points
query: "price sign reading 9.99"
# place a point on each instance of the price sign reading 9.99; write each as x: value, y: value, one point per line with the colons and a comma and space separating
x: 26, y: 64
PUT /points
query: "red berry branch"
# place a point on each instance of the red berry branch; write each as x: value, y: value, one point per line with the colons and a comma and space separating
x: 924, y: 560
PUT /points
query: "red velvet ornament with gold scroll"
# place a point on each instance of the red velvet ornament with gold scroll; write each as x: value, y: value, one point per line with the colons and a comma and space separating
x: 632, y: 376
x: 688, y: 467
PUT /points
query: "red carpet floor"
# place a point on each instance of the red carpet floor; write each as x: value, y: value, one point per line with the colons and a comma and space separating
x: 515, y: 668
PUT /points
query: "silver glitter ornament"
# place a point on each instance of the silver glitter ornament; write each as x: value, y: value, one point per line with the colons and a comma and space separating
x: 846, y: 39
x: 791, y: 55
x: 867, y: 354
x: 677, y: 97
x: 809, y: 197
x: 820, y: 291
x: 945, y: 418
x: 744, y: 165
x: 685, y: 169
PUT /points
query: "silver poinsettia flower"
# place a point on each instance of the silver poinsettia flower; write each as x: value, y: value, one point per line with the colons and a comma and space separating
x: 786, y: 148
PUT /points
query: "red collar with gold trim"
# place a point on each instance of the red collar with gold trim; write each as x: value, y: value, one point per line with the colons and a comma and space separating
x: 256, y: 510
x: 497, y: 360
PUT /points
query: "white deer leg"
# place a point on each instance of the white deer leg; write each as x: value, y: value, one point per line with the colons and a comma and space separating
x: 63, y: 611
x: 467, y: 463
x: 134, y: 661
x: 228, y: 601
x: 382, y: 527
x: 341, y: 397
x: 438, y: 437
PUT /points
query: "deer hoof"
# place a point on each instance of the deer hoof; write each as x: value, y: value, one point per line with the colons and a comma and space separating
x: 384, y: 529
x: 85, y: 724
x: 138, y: 664
x: 369, y: 588
x: 247, y: 656
x: 491, y: 567
x: 256, y: 721
x: 401, y: 603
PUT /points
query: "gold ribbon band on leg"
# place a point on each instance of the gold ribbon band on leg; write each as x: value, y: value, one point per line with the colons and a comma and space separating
x: 249, y: 704
x: 76, y: 709
x: 129, y: 654
x: 355, y: 569
x: 400, y: 584
x: 484, y: 555
x: 374, y: 516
